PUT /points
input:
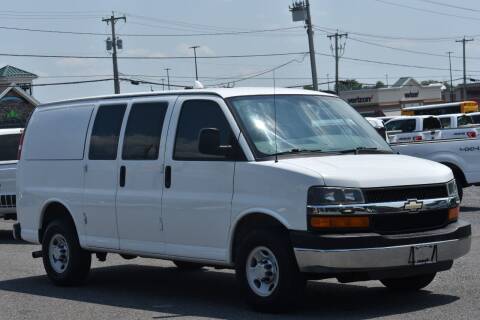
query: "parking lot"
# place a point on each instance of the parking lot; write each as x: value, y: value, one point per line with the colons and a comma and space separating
x: 153, y: 289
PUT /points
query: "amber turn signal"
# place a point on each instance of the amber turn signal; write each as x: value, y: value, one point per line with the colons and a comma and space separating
x: 453, y: 214
x: 339, y: 222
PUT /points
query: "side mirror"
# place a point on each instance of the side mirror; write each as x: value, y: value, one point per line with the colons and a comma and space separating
x: 209, y: 142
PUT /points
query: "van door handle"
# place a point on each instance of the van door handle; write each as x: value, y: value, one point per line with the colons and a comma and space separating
x: 123, y: 172
x: 168, y: 176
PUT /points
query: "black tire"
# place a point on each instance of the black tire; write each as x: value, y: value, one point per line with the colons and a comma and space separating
x: 77, y: 267
x: 290, y: 285
x: 187, y: 266
x: 414, y: 283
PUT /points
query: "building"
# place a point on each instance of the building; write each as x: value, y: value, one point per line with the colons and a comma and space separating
x: 406, y: 92
x: 473, y: 92
x: 16, y: 100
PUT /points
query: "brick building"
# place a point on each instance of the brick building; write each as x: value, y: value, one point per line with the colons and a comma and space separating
x: 16, y: 100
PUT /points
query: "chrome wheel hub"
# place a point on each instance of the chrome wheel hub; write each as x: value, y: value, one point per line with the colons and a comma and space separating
x: 58, y: 253
x: 262, y: 271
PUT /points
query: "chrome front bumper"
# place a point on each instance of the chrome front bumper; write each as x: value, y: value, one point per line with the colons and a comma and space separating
x: 316, y: 260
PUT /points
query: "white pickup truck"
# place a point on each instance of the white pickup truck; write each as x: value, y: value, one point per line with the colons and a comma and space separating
x: 413, y: 128
x: 9, y: 139
x: 458, y: 125
x: 460, y: 155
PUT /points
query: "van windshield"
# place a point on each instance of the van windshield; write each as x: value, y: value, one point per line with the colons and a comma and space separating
x: 304, y: 124
x: 9, y: 147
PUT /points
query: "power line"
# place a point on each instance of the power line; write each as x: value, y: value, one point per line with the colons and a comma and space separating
x: 26, y: 55
x: 262, y: 72
x: 220, y: 57
x: 408, y: 50
x: 388, y: 37
x: 65, y: 83
x: 450, y: 5
x: 391, y: 63
x: 246, y: 32
x: 427, y: 10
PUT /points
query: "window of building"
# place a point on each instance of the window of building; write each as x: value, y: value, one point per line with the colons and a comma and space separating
x: 195, y: 116
x: 144, y: 128
x: 105, y: 132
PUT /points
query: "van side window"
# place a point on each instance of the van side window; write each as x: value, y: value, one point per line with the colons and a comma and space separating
x: 446, y: 122
x: 195, y: 116
x: 401, y: 125
x: 431, y: 123
x: 144, y: 127
x: 105, y: 132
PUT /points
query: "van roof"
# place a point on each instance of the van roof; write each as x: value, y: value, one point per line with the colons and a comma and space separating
x: 221, y: 92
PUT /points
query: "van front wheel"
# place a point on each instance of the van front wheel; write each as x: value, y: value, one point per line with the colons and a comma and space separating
x: 65, y: 262
x: 414, y: 283
x: 267, y: 271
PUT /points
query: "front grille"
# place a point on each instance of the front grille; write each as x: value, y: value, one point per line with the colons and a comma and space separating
x: 409, y: 222
x: 390, y: 194
x: 8, y: 201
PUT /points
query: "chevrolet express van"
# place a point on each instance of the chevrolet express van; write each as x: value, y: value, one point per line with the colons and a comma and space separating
x: 281, y: 185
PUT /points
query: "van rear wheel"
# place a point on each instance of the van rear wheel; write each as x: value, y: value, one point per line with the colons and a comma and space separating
x: 65, y: 262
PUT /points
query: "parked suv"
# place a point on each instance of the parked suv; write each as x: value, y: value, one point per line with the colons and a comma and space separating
x: 282, y: 185
x: 9, y: 140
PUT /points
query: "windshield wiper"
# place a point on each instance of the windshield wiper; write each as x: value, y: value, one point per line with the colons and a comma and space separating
x: 297, y: 151
x: 358, y: 150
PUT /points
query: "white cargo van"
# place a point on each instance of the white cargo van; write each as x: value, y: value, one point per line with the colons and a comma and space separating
x: 282, y: 185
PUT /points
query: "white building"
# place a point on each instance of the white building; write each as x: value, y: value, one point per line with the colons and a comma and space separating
x: 406, y: 92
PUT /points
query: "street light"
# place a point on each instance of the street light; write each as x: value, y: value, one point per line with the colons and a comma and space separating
x: 195, y: 56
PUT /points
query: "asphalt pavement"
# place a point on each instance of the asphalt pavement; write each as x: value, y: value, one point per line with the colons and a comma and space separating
x: 155, y: 289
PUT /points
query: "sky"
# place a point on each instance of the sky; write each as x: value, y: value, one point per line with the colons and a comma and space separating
x: 388, y: 32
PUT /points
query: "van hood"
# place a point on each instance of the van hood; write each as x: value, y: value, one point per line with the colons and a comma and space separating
x: 369, y: 171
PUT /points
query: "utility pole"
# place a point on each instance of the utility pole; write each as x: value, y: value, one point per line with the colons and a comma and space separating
x: 168, y: 78
x: 337, y: 36
x: 464, y: 89
x: 451, y: 78
x: 301, y: 12
x: 114, y: 45
x: 195, y: 56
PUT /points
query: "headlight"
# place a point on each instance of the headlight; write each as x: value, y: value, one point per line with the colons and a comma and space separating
x: 334, y: 196
x: 452, y: 188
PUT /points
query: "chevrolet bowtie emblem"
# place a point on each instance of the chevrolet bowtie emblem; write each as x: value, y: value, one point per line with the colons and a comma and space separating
x: 413, y: 205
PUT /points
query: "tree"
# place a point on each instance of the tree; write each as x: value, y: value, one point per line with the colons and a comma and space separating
x: 427, y: 82
x: 349, y: 84
x: 379, y: 84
